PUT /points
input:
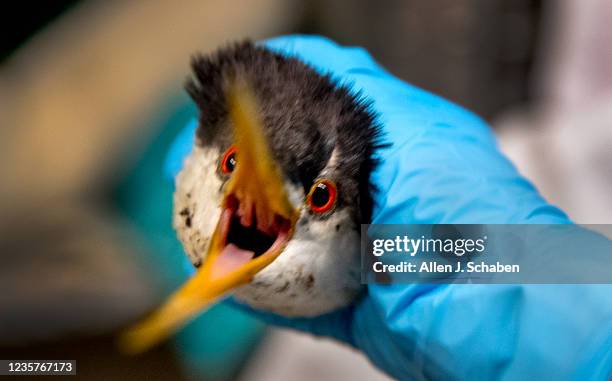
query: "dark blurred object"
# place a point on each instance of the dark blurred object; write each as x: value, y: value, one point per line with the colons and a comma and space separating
x: 24, y: 18
x: 72, y: 275
x: 477, y: 53
x: 71, y: 270
x: 97, y: 359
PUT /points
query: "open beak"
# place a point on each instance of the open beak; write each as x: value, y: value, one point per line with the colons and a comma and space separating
x: 257, y: 221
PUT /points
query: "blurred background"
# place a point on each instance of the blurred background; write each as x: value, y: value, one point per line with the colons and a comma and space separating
x: 91, y: 97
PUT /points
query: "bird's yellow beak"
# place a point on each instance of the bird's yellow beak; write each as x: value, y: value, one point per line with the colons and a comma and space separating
x: 255, y: 187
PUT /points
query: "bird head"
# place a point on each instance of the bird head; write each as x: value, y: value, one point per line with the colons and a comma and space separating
x: 270, y: 202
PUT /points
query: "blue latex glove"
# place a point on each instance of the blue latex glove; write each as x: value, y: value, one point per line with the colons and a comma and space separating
x: 444, y: 167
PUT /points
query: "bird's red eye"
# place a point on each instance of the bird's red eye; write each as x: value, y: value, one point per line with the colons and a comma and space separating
x: 322, y: 196
x: 229, y: 160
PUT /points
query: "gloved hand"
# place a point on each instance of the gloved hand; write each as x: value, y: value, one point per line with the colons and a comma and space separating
x: 444, y: 167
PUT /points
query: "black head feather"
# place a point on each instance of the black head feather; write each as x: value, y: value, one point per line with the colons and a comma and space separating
x: 306, y: 117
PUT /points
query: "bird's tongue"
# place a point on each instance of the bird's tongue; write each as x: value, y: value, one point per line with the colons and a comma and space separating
x: 230, y: 259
